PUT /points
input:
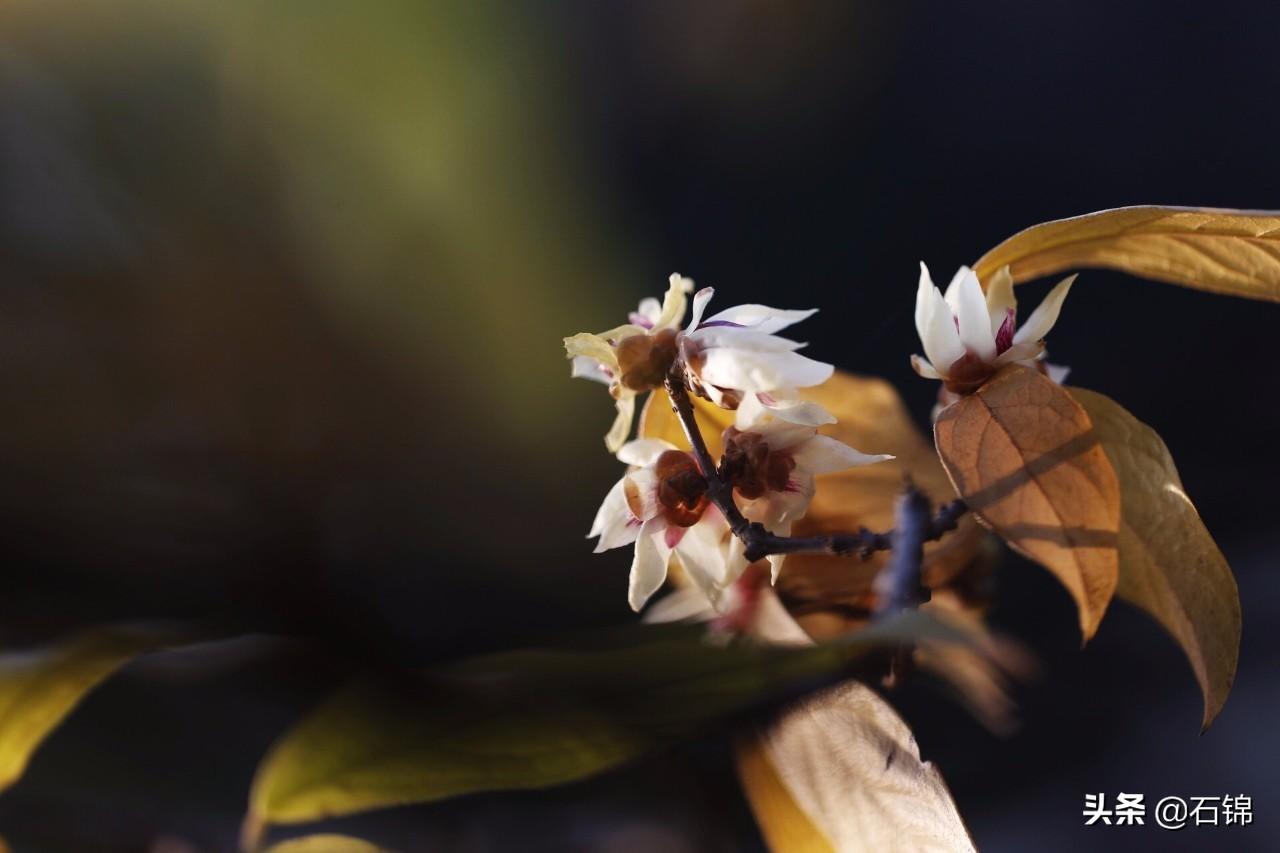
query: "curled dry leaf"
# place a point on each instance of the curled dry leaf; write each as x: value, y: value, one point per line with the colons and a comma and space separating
x: 1169, y: 564
x: 841, y: 771
x: 1024, y: 456
x: 1234, y: 252
x: 827, y: 594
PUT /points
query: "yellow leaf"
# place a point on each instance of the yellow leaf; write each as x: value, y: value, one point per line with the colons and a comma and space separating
x: 1235, y: 252
x: 1023, y: 454
x: 841, y: 770
x: 785, y: 826
x: 1169, y: 564
x: 819, y: 589
x: 326, y: 843
x: 38, y: 688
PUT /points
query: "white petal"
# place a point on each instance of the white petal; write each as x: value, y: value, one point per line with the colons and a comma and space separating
x: 700, y: 300
x: 784, y: 405
x: 776, y: 560
x: 1046, y: 314
x: 1000, y: 298
x: 775, y: 625
x: 643, y: 451
x: 924, y: 368
x: 762, y: 318
x: 731, y: 336
x: 970, y: 307
x: 940, y: 340
x: 614, y: 523
x: 641, y: 492
x: 617, y: 435
x: 674, y: 302
x: 684, y: 604
x: 952, y: 293
x: 650, y: 309
x: 585, y: 367
x: 823, y: 454
x: 751, y: 371
x: 703, y: 553
x: 1057, y: 372
x: 649, y: 567
x: 1023, y: 353
x: 924, y: 301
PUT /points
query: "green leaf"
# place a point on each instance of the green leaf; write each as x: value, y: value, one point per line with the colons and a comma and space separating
x: 1234, y: 252
x: 1169, y: 564
x: 530, y: 719
x: 39, y: 687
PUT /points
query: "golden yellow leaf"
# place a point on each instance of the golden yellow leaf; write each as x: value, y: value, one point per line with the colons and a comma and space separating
x: 785, y: 826
x: 38, y: 688
x: 325, y: 843
x: 1169, y: 564
x: 1023, y: 454
x: 822, y: 591
x: 1235, y: 252
x: 840, y: 770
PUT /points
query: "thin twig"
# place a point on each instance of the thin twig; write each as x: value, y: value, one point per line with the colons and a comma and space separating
x: 760, y: 543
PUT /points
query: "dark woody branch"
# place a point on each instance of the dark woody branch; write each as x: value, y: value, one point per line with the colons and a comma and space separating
x: 914, y: 527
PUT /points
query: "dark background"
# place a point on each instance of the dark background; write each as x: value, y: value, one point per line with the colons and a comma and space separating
x: 282, y: 292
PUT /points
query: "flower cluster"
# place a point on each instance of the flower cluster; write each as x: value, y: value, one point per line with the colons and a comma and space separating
x: 771, y: 456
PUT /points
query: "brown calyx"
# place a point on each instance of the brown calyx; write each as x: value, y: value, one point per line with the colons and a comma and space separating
x: 682, y: 490
x: 645, y: 360
x: 751, y: 466
x: 967, y: 374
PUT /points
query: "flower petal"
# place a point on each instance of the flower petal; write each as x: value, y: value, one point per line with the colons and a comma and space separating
x: 674, y: 302
x: 703, y: 554
x: 614, y: 523
x: 924, y: 368
x: 970, y: 306
x: 1057, y: 372
x: 617, y: 435
x: 731, y: 336
x: 940, y: 339
x: 594, y: 347
x: 686, y: 604
x: 823, y: 454
x: 1000, y: 298
x: 776, y: 560
x: 647, y: 313
x: 762, y: 318
x: 785, y: 405
x: 1046, y: 314
x: 643, y: 451
x: 754, y: 371
x: 700, y: 300
x: 924, y: 301
x: 585, y: 367
x: 649, y: 566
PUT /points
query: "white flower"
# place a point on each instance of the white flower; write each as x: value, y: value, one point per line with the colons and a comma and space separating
x: 736, y: 353
x: 772, y: 455
x: 968, y: 336
x: 634, y: 357
x: 661, y: 506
